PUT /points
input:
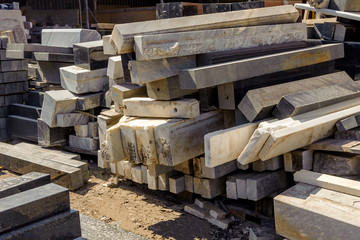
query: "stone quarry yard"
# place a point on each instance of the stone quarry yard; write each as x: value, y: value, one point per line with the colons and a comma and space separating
x: 151, y: 214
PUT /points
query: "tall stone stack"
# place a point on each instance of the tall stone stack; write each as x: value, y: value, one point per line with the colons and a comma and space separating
x: 13, y: 85
x: 75, y: 108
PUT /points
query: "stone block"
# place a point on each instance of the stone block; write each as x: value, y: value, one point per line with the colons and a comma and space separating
x: 81, y: 130
x: 13, y: 65
x: 71, y: 119
x: 90, y: 55
x: 32, y: 205
x: 338, y: 164
x: 88, y: 144
x: 115, y: 68
x: 146, y: 107
x: 177, y: 183
x: 299, y: 159
x: 51, y: 137
x: 68, y: 37
x: 88, y: 101
x: 56, y: 102
x: 23, y: 128
x: 11, y: 186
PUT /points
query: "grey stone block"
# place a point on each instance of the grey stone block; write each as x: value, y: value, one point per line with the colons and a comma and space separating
x: 32, y: 205
x: 25, y: 111
x: 4, y: 112
x: 90, y: 55
x: 61, y: 226
x: 72, y: 119
x: 23, y: 128
x: 89, y: 101
x: 339, y: 164
x: 50, y: 137
x: 53, y: 57
x: 11, y: 186
x: 13, y: 65
x: 67, y: 37
x: 12, y: 88
x: 9, y: 77
x: 89, y: 144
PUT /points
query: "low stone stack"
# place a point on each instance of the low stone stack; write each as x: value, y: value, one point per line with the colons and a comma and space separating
x: 33, y: 208
x: 13, y: 85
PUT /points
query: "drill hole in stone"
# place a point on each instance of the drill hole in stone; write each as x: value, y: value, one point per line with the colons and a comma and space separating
x: 175, y: 110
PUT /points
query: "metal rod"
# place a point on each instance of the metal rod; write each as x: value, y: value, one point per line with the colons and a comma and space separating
x: 80, y: 12
x: 87, y: 14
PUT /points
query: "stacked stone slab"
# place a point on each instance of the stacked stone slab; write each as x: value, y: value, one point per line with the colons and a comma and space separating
x: 33, y: 208
x: 13, y: 85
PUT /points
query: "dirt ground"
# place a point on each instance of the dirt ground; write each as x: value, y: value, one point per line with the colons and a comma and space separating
x: 152, y: 214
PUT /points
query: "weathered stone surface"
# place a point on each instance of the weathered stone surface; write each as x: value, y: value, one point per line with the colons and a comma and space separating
x: 108, y: 48
x: 263, y: 184
x: 93, y: 129
x: 89, y: 144
x: 51, y: 137
x: 12, y: 20
x: 18, y: 76
x: 304, y: 207
x: 13, y: 65
x: 80, y: 80
x: 50, y: 71
x: 81, y: 130
x: 13, y: 88
x: 149, y: 71
x: 20, y: 162
x: 126, y: 90
x: 201, y: 170
x: 226, y: 145
x: 247, y: 5
x: 136, y: 174
x: 181, y: 141
x: 25, y: 111
x: 122, y: 37
x: 149, y: 47
x: 348, y: 123
x: 53, y: 57
x: 115, y: 68
x: 32, y: 205
x: 213, y: 75
x: 177, y: 183
x: 166, y: 89
x: 71, y: 119
x: 90, y: 55
x: 146, y: 107
x: 23, y: 128
x: 339, y: 164
x: 67, y: 37
x: 56, y: 102
x: 299, y: 159
x: 11, y: 186
x: 313, y: 99
x: 351, y: 134
x: 115, y: 151
x: 88, y: 101
x: 61, y: 226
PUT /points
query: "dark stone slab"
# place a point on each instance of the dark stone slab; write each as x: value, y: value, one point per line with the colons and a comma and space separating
x: 23, y: 128
x: 13, y: 65
x: 61, y: 226
x: 10, y: 99
x: 36, y: 98
x: 50, y: 137
x: 352, y: 71
x: 125, y: 59
x: 12, y: 88
x: 352, y: 51
x: 16, y: 160
x: 90, y: 55
x: 4, y: 112
x: 177, y: 9
x: 351, y: 134
x: 53, y: 57
x: 49, y: 71
x: 298, y: 103
x: 247, y: 5
x: 34, y: 47
x: 3, y: 55
x: 11, y: 186
x: 216, y: 7
x: 32, y: 205
x: 9, y: 77
x: 3, y: 42
x: 23, y: 110
x: 338, y: 164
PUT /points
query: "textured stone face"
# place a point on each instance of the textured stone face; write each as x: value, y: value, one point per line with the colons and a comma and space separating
x: 339, y: 164
x: 67, y: 37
